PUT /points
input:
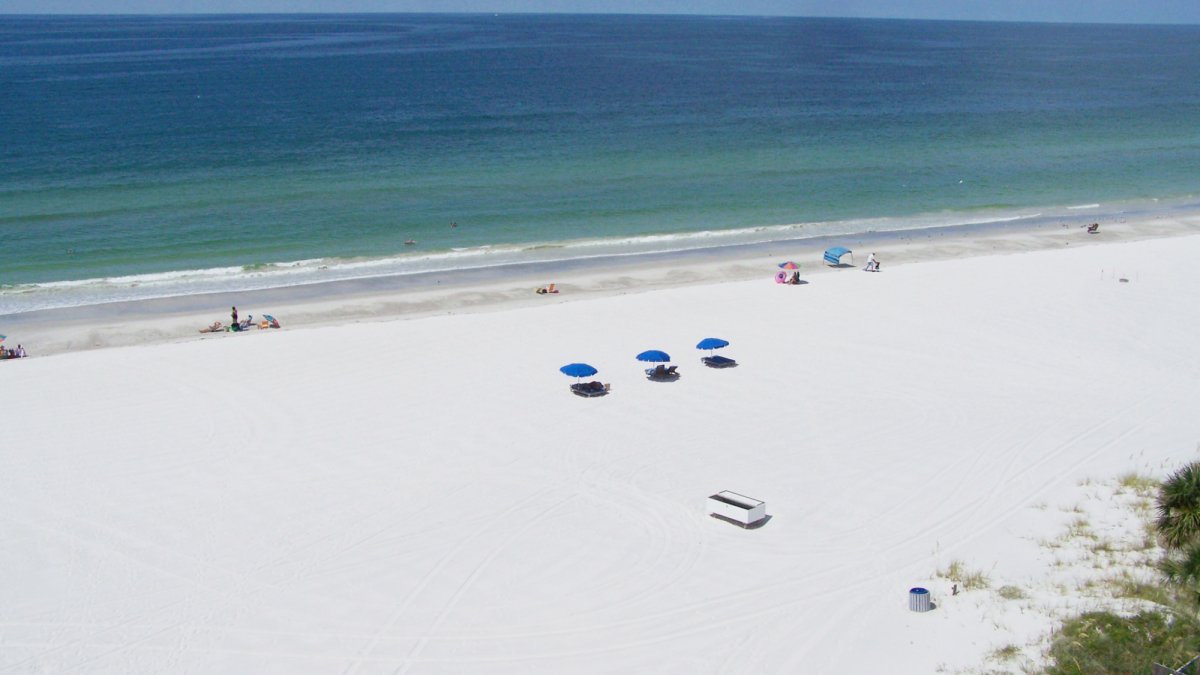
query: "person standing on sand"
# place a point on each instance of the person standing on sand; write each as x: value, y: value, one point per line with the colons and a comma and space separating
x: 233, y: 314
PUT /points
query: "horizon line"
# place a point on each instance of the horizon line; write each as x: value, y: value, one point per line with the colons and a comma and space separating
x: 614, y: 14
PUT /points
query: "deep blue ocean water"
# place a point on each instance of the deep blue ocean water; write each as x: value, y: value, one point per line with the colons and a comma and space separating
x: 167, y: 155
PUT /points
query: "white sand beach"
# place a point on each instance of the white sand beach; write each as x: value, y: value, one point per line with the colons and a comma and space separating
x: 421, y: 493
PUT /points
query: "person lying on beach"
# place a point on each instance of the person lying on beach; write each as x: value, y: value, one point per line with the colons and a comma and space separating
x: 216, y: 326
x: 547, y: 289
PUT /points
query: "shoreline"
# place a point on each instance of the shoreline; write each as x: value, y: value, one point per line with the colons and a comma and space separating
x: 411, y: 296
x: 415, y: 296
x: 415, y: 268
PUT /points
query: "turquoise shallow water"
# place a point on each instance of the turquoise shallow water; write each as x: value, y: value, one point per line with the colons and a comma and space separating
x: 166, y: 156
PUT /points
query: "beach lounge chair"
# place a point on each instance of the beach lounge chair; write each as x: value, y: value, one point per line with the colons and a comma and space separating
x: 590, y: 389
x: 662, y: 373
x: 718, y: 361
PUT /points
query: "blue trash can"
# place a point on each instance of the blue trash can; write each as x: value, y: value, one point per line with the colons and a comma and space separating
x: 918, y: 599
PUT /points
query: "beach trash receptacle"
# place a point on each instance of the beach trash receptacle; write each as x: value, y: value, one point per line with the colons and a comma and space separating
x: 918, y: 599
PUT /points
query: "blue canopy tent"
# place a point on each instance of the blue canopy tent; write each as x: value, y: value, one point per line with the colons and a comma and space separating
x: 833, y: 256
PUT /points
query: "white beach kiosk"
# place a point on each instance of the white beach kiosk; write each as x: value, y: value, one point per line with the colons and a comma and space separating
x: 737, y: 509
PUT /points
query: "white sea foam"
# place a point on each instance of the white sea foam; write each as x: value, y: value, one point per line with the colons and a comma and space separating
x: 31, y: 297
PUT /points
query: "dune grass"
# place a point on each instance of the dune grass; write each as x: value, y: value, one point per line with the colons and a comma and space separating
x: 969, y: 579
x: 1104, y: 643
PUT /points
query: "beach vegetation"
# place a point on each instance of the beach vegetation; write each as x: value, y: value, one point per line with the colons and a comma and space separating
x: 1129, y: 587
x: 1166, y: 632
x: 1139, y: 484
x: 1009, y: 592
x: 1080, y: 527
x: 969, y: 579
x: 1102, y: 643
x: 1182, y: 568
x: 1052, y: 543
x: 1178, y: 527
x: 1006, y: 653
x: 1178, y: 508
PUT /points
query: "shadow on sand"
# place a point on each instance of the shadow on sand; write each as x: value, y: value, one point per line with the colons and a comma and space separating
x: 752, y: 526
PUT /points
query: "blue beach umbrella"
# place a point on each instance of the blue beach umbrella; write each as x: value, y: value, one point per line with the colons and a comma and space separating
x: 713, y: 361
x: 654, y: 356
x: 578, y: 370
x: 712, y: 343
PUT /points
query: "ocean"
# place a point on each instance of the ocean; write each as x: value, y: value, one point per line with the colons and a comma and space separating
x: 172, y: 155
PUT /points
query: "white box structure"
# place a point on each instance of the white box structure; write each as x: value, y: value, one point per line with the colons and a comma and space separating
x: 741, y: 509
